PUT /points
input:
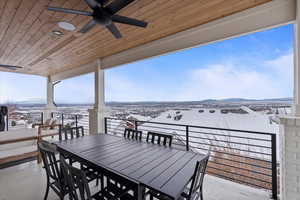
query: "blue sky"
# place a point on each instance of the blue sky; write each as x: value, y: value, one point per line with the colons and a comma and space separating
x: 255, y: 66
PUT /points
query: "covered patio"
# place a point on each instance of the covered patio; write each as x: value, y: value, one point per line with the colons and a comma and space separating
x: 32, y: 41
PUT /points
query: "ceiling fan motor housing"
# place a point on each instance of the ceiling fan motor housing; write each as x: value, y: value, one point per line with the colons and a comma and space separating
x: 102, y: 17
x: 104, y: 14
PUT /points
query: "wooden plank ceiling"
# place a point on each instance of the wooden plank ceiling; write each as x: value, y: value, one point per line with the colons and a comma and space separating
x: 26, y: 27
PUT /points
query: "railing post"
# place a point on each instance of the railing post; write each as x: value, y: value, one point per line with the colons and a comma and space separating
x: 42, y: 118
x: 62, y: 119
x: 7, y: 122
x: 105, y: 125
x: 76, y: 121
x: 39, y: 138
x: 274, y: 166
x: 136, y: 125
x: 60, y: 132
x: 187, y: 138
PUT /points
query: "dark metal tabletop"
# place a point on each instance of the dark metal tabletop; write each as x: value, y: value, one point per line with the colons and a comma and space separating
x: 164, y: 169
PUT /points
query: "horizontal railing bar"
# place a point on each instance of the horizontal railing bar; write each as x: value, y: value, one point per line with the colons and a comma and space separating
x: 173, y: 129
x: 115, y: 129
x: 203, y: 127
x: 266, y: 147
x: 233, y: 154
x: 112, y: 122
x: 234, y: 136
x: 249, y: 151
x: 154, y: 131
x: 216, y: 134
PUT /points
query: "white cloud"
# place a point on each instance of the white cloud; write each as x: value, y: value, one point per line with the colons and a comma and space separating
x: 271, y: 79
x: 282, y: 67
x: 232, y: 80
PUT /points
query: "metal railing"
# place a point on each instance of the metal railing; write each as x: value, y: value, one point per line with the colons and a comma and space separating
x: 28, y: 119
x: 246, y: 157
x: 71, y: 120
x: 13, y: 120
x: 22, y: 157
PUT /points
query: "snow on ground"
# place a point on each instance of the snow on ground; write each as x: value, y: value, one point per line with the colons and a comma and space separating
x: 251, y: 122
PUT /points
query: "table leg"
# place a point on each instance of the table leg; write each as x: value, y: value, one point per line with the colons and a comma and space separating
x: 140, y: 193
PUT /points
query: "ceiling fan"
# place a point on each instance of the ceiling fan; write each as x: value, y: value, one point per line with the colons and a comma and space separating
x: 12, y: 67
x: 104, y: 13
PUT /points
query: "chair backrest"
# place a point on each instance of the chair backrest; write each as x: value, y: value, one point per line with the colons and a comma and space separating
x: 75, y: 179
x: 198, y: 177
x: 133, y: 134
x: 70, y: 133
x: 159, y: 138
x: 51, y: 165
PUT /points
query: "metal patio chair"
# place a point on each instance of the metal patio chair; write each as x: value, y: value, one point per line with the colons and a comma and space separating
x: 52, y: 167
x: 195, y: 189
x: 77, y: 132
x: 76, y: 180
x: 133, y: 134
x: 159, y: 138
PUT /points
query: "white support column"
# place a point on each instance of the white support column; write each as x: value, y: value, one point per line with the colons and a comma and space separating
x: 97, y: 114
x: 296, y: 106
x: 290, y: 158
x: 290, y: 131
x: 50, y: 107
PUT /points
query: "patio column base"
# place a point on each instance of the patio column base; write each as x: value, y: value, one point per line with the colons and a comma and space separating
x: 96, y: 120
x: 290, y: 158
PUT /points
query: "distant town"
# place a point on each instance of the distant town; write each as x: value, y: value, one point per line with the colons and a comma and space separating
x: 27, y: 113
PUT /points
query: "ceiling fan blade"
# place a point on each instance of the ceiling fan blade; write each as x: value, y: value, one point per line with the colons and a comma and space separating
x: 117, y: 5
x: 114, y: 30
x: 11, y: 67
x: 70, y: 11
x: 92, y: 3
x: 88, y: 26
x: 129, y: 21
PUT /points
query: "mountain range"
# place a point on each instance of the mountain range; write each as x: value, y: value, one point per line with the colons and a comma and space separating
x: 206, y: 101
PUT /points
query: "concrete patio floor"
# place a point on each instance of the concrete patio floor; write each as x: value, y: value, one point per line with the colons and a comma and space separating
x: 28, y: 182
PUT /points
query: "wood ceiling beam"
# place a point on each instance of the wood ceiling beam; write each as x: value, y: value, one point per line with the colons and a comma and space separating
x: 266, y: 16
x: 273, y: 14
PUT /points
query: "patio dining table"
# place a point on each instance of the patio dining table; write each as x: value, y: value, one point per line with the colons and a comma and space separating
x: 139, y: 164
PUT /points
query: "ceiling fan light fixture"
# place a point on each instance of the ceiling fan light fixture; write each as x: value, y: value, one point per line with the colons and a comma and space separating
x: 57, y: 33
x: 66, y: 26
